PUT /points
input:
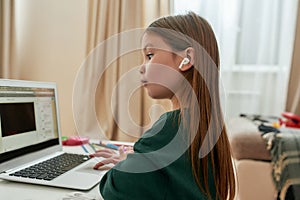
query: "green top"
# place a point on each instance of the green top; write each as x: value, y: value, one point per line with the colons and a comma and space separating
x: 160, y: 168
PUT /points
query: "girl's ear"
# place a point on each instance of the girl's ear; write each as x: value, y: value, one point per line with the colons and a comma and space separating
x: 190, y: 54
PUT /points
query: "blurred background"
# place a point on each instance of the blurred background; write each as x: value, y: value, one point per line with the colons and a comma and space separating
x: 49, y: 40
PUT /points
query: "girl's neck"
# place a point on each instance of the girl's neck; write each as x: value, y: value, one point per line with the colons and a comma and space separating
x: 175, y: 103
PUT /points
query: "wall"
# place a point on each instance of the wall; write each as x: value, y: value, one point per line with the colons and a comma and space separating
x: 50, y: 45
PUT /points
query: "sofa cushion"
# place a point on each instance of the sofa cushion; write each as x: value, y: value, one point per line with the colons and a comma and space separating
x: 246, y: 141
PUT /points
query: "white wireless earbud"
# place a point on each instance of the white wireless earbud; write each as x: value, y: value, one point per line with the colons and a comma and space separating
x: 184, y: 62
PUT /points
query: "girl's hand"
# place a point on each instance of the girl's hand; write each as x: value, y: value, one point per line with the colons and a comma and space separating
x: 112, y: 157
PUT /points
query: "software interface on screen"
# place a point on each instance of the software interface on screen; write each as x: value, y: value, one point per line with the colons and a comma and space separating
x: 27, y: 117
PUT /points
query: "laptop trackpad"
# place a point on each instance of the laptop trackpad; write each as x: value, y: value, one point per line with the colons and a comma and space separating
x: 88, y: 168
x: 78, y: 179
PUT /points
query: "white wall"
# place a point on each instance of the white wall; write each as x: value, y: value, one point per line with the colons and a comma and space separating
x: 50, y: 45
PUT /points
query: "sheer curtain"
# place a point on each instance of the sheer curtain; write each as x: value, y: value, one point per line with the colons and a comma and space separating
x: 256, y: 43
x: 104, y: 106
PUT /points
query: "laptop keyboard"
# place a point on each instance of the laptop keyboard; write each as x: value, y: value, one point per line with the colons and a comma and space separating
x: 52, y: 168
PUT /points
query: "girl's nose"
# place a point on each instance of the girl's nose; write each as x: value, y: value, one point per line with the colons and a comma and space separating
x: 142, y: 69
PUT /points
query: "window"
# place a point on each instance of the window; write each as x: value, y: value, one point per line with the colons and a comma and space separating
x: 256, y: 43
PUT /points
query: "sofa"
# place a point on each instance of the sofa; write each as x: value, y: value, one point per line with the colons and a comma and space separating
x: 252, y: 161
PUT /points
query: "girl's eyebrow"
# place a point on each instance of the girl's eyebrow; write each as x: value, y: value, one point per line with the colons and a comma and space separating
x: 149, y: 45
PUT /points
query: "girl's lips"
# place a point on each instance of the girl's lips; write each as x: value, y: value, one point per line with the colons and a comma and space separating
x: 144, y: 82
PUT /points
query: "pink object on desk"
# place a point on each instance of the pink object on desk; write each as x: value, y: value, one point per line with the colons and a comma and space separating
x: 75, y: 140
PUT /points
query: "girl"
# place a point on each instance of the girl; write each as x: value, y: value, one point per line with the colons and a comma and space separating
x: 186, y: 153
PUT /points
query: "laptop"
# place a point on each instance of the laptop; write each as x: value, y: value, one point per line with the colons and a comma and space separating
x: 31, y: 139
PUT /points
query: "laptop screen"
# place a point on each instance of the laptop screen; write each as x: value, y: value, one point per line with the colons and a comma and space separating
x: 28, y: 120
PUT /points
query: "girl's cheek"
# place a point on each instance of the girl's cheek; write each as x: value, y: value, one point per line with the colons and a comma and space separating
x: 153, y: 71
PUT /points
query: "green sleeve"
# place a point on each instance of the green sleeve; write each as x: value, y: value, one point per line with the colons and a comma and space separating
x: 121, y: 183
x: 118, y: 185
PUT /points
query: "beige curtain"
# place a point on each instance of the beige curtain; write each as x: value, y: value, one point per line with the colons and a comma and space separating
x: 6, y: 37
x: 293, y: 97
x: 108, y: 103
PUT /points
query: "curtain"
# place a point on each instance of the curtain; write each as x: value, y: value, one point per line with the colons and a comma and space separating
x: 6, y: 37
x: 293, y: 95
x: 264, y: 42
x: 108, y: 102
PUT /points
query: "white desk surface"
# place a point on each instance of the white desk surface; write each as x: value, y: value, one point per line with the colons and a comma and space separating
x: 21, y: 191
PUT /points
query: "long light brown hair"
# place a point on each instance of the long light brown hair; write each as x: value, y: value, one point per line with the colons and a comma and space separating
x: 194, y: 29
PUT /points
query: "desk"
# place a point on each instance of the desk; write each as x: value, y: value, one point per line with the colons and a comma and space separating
x: 21, y: 191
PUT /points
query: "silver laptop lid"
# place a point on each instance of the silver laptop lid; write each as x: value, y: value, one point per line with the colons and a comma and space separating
x: 29, y: 122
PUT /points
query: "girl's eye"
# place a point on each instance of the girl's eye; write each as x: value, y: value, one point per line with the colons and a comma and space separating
x: 149, y: 56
